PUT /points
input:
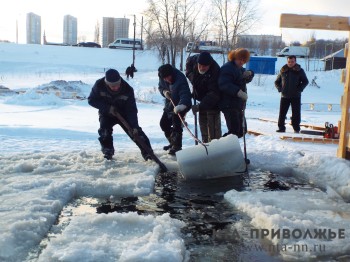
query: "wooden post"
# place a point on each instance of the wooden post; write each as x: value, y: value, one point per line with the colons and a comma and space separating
x: 337, y: 23
x: 344, y: 136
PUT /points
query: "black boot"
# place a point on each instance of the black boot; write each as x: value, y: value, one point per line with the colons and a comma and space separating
x: 108, y: 153
x: 106, y: 141
x: 176, y: 143
x: 166, y: 148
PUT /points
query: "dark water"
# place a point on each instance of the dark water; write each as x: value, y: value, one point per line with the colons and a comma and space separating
x: 210, y: 233
x: 214, y: 229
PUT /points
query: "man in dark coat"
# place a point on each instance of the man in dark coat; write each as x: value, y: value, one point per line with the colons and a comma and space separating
x: 290, y: 82
x: 130, y: 70
x: 112, y: 94
x: 232, y: 84
x: 203, y: 73
x: 173, y: 86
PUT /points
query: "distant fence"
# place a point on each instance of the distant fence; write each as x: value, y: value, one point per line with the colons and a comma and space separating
x: 321, y: 107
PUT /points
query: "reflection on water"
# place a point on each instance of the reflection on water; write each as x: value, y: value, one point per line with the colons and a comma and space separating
x: 210, y: 233
x: 214, y: 229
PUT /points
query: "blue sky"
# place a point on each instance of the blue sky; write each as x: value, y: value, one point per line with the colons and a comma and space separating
x: 89, y: 12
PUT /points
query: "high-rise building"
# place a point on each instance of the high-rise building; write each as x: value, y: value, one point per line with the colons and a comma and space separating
x: 113, y: 28
x: 33, y: 29
x: 121, y: 27
x: 70, y: 30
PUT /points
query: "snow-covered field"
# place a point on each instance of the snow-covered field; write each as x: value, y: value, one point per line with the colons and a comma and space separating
x: 49, y: 156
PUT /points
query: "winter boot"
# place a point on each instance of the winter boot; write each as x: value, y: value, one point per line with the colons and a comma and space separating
x: 108, y: 153
x: 166, y: 148
x: 106, y: 141
x: 176, y: 143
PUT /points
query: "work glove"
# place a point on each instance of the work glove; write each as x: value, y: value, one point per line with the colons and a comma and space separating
x: 242, y: 95
x: 167, y: 94
x: 248, y: 76
x: 195, y: 109
x: 179, y: 108
x: 112, y: 110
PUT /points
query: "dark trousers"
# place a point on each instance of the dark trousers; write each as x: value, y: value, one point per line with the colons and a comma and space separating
x: 210, y: 125
x: 106, y: 134
x: 295, y: 102
x: 234, y: 121
x: 171, y: 125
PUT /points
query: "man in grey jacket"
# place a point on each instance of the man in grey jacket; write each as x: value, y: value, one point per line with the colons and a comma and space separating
x: 290, y: 82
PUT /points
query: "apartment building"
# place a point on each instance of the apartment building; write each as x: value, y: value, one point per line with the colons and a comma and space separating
x: 70, y: 30
x: 113, y: 28
x: 33, y: 25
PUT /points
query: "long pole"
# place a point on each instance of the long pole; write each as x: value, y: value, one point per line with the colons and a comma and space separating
x: 133, y: 48
x: 244, y: 127
x: 189, y: 131
x: 195, y: 122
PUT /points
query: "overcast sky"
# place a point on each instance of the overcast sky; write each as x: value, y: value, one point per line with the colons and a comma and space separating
x: 89, y: 12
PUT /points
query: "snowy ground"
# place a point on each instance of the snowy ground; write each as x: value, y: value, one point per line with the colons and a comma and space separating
x: 50, y: 156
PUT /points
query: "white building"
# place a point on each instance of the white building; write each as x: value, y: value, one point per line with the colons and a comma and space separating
x: 33, y: 29
x: 70, y: 30
x: 113, y: 28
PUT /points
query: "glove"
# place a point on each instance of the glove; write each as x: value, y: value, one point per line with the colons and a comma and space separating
x: 248, y: 76
x: 112, y: 110
x: 167, y: 94
x: 179, y: 108
x: 195, y: 109
x: 242, y: 95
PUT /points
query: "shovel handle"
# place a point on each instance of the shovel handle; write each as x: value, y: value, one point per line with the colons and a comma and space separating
x: 194, y: 137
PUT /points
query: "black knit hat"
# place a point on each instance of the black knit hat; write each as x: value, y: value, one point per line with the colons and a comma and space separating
x: 112, y: 76
x: 165, y: 70
x: 204, y: 58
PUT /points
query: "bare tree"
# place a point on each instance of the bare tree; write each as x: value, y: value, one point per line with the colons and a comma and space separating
x: 263, y: 46
x: 235, y: 18
x: 169, y: 24
x: 97, y: 33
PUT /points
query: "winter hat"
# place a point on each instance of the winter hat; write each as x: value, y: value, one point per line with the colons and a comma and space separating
x: 112, y: 77
x: 239, y: 53
x: 204, y: 58
x: 165, y: 70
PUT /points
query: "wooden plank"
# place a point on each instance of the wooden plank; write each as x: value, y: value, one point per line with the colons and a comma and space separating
x: 321, y: 22
x: 311, y: 126
x: 310, y: 139
x: 345, y: 122
x: 255, y: 133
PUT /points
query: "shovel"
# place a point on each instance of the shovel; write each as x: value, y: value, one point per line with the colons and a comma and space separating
x: 138, y: 139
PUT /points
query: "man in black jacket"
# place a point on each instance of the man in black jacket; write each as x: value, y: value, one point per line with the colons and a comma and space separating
x: 203, y: 73
x: 290, y: 82
x: 174, y: 87
x: 112, y: 94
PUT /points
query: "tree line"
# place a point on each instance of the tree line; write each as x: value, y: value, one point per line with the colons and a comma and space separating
x: 170, y: 24
x: 320, y: 48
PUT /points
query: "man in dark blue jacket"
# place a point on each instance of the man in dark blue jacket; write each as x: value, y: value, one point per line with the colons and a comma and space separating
x: 232, y: 84
x: 290, y: 82
x: 112, y: 94
x: 174, y: 87
x: 203, y: 73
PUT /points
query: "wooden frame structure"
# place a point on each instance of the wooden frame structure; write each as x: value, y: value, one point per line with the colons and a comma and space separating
x: 336, y: 23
